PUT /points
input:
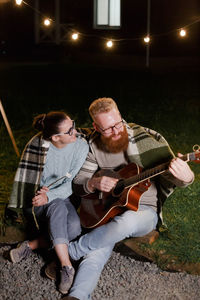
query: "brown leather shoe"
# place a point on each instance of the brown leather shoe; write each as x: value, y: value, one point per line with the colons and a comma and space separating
x: 52, y: 270
x: 69, y: 298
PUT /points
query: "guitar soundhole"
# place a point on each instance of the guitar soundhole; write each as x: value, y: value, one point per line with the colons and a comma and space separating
x: 119, y: 188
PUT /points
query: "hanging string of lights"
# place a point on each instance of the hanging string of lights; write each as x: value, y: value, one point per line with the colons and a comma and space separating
x: 182, y: 32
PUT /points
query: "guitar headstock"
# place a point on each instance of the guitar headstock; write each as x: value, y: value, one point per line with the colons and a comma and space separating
x: 196, y: 149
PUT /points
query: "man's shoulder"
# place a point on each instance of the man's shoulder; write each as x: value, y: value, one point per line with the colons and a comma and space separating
x: 133, y: 125
x: 134, y: 129
x: 87, y: 133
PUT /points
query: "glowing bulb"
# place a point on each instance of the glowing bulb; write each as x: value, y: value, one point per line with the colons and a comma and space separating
x: 75, y: 36
x: 47, y: 22
x: 147, y: 39
x: 109, y: 44
x: 182, y: 32
x: 18, y: 2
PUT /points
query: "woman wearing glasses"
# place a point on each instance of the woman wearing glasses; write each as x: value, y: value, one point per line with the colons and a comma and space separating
x: 42, y: 185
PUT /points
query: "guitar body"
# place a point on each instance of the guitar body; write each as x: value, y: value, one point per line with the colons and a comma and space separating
x: 98, y: 208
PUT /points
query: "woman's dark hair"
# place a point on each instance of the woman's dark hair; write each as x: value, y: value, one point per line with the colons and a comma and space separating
x: 49, y: 123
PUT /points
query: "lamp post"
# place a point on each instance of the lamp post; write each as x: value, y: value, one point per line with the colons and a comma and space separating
x: 148, y: 32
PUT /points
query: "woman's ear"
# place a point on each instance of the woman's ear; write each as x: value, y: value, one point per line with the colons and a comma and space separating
x: 55, y: 138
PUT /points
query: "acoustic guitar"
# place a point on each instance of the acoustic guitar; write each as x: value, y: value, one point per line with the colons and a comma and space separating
x: 98, y: 208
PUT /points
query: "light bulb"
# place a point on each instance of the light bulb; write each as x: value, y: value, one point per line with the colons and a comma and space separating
x: 182, y: 32
x: 47, y: 22
x: 75, y: 36
x: 147, y: 39
x: 18, y: 2
x: 109, y: 44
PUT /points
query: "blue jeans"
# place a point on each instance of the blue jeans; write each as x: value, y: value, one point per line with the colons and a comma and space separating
x: 60, y: 219
x: 89, y: 272
x: 96, y: 246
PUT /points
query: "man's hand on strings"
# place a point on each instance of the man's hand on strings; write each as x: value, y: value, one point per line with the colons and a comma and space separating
x: 102, y: 183
x: 181, y: 170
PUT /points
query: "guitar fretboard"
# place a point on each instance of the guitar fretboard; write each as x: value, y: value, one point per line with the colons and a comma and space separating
x: 151, y: 172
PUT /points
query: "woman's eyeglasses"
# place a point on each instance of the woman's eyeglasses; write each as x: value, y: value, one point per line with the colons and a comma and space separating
x: 70, y: 131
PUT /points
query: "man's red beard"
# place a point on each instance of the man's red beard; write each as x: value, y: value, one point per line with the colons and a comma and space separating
x: 116, y: 146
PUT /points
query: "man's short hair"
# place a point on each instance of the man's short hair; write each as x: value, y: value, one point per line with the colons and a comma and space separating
x: 101, y: 105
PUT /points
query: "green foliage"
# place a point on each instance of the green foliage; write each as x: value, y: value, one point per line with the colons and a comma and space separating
x: 180, y: 237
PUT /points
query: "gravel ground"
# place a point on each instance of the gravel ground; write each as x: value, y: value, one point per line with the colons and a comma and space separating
x: 123, y: 278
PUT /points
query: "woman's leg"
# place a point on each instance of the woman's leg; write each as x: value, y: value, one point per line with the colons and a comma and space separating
x: 64, y: 225
x: 73, y: 222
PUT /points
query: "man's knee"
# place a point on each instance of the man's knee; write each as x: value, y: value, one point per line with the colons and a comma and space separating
x: 125, y: 221
x: 131, y: 222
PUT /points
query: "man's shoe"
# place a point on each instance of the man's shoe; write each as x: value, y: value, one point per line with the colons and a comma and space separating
x: 21, y: 252
x: 66, y: 279
x: 51, y: 270
x: 70, y: 298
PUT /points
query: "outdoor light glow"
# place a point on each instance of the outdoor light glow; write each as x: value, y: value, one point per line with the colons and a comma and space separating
x: 18, y: 2
x: 182, y: 32
x: 103, y: 18
x: 147, y: 39
x: 109, y: 44
x: 47, y: 22
x: 75, y: 36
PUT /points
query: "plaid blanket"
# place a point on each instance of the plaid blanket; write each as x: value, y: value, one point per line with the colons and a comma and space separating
x: 147, y: 148
x: 27, y: 177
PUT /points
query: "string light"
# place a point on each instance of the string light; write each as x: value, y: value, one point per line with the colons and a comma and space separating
x: 147, y: 39
x: 109, y: 44
x: 47, y: 22
x: 75, y: 36
x: 18, y: 2
x: 182, y: 32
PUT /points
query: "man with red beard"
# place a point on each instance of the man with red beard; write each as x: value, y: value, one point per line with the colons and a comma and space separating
x: 113, y: 145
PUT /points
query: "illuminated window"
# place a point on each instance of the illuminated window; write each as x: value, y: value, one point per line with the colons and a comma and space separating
x: 107, y: 14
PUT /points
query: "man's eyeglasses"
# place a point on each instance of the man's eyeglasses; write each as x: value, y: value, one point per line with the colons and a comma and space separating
x: 70, y: 131
x: 110, y: 129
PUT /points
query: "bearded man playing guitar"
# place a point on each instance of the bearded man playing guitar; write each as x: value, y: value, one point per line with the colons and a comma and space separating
x: 115, y: 146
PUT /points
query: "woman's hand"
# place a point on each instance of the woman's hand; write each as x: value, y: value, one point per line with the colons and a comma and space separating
x: 40, y: 197
x: 44, y: 189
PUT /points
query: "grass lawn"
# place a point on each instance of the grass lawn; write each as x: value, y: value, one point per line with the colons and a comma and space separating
x: 168, y: 103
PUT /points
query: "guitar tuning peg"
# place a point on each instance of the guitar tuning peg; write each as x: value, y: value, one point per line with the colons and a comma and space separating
x: 196, y: 148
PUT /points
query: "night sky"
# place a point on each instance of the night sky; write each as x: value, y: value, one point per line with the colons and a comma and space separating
x: 17, y: 27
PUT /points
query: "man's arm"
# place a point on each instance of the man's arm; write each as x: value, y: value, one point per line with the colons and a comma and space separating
x: 85, y: 181
x: 88, y: 169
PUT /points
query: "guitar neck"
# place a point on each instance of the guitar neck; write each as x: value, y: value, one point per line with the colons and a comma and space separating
x: 154, y: 171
